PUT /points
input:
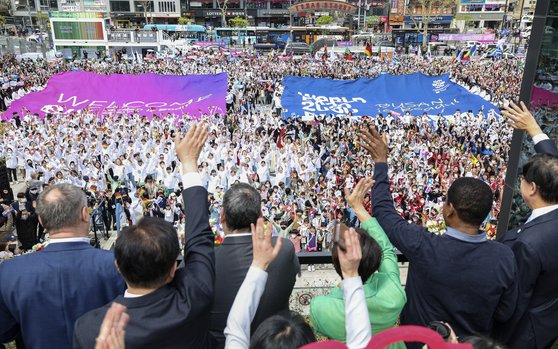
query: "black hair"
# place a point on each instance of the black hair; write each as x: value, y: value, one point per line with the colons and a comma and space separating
x: 542, y: 169
x: 283, y: 331
x: 146, y: 252
x: 483, y: 343
x: 471, y: 198
x: 242, y: 205
x: 371, y: 256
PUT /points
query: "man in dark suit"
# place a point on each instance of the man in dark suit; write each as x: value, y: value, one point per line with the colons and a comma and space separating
x: 168, y: 306
x: 535, y: 322
x: 43, y: 293
x: 242, y: 207
x: 459, y: 277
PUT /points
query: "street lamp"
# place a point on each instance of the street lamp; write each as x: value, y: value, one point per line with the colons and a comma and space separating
x: 28, y: 12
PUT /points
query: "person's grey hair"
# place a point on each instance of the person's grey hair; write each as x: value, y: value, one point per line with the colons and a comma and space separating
x: 59, y: 206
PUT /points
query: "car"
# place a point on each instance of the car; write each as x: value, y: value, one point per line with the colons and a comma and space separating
x: 297, y: 48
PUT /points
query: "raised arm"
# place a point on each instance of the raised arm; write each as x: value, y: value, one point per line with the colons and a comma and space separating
x: 406, y: 237
x: 522, y: 119
x: 357, y: 320
x: 372, y: 227
x: 198, y: 275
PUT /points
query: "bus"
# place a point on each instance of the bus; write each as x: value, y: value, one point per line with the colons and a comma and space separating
x: 271, y: 38
x: 234, y: 36
x: 189, y: 32
x: 310, y: 34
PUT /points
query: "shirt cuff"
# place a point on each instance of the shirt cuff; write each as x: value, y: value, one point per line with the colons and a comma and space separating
x: 191, y: 179
x: 351, y: 284
x: 539, y: 138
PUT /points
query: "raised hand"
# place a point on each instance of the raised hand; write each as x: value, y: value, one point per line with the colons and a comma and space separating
x: 350, y: 255
x: 356, y: 197
x: 375, y: 145
x: 111, y: 335
x: 188, y: 149
x: 521, y: 118
x: 264, y: 252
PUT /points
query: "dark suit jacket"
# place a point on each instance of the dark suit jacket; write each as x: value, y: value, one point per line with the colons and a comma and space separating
x: 43, y: 293
x: 233, y: 259
x: 464, y: 281
x: 176, y: 315
x: 546, y: 147
x: 535, y: 322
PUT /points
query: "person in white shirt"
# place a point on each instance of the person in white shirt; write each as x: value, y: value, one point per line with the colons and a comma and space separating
x: 295, y: 332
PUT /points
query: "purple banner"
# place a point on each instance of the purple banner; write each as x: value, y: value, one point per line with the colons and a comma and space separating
x: 209, y: 43
x: 344, y: 43
x: 145, y: 93
x: 466, y: 37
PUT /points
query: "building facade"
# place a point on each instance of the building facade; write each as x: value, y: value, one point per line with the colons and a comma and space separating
x: 481, y: 14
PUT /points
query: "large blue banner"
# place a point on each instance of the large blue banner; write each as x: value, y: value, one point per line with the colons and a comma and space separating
x: 416, y: 93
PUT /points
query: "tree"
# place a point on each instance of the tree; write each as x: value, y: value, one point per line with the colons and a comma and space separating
x: 324, y: 20
x: 42, y: 19
x: 2, y: 23
x: 223, y: 5
x: 238, y: 22
x: 5, y: 7
x: 185, y: 20
x: 147, y: 6
x: 428, y: 9
x: 372, y: 21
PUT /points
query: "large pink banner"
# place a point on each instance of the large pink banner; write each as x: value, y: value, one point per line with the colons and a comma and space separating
x: 145, y: 93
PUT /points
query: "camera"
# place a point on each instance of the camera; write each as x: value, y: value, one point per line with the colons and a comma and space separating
x: 441, y: 328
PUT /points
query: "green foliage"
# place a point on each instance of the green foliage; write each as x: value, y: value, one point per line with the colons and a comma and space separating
x: 372, y: 21
x: 42, y: 18
x: 238, y: 22
x: 324, y: 20
x: 185, y: 20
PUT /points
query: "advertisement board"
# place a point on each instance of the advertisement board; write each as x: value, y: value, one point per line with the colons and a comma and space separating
x: 77, y: 30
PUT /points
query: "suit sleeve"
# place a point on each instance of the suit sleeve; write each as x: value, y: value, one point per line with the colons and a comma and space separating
x: 528, y: 269
x: 198, y: 276
x: 546, y: 146
x: 405, y: 236
x: 9, y: 328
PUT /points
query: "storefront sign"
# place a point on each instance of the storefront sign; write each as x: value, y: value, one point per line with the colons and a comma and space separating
x: 322, y: 6
x: 431, y: 20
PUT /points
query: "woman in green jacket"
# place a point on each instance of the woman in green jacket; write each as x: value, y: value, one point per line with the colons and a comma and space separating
x: 384, y: 294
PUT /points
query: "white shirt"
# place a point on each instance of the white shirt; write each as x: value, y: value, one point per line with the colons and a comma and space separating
x: 243, y: 310
x: 57, y: 241
x: 541, y: 211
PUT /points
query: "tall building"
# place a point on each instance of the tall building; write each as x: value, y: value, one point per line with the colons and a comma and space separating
x: 477, y: 14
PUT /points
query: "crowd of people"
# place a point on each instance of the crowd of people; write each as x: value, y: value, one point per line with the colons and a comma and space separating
x: 265, y: 188
x: 209, y: 301
x: 300, y: 169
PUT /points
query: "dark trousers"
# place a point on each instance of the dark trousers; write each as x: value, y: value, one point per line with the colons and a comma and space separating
x: 12, y: 174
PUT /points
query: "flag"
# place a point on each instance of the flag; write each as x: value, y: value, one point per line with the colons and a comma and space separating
x: 460, y: 55
x: 332, y: 53
x: 429, y: 54
x: 394, y: 58
x: 473, y: 50
x: 348, y: 54
x: 368, y: 50
x: 419, y: 52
